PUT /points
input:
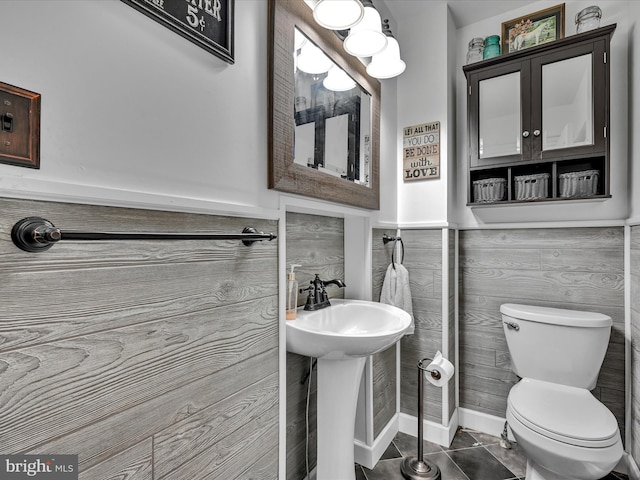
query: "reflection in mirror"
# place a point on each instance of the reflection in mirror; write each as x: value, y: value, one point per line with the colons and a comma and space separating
x: 331, y: 111
x: 499, y: 121
x: 567, y: 103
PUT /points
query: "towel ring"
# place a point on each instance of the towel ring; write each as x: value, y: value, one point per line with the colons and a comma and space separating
x: 386, y: 239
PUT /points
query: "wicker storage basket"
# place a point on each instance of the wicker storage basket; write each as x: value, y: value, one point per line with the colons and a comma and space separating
x: 578, y: 184
x: 532, y: 187
x: 489, y: 190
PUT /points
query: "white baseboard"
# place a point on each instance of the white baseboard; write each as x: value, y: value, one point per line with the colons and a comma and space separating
x: 482, y: 422
x: 368, y: 455
x: 432, y: 432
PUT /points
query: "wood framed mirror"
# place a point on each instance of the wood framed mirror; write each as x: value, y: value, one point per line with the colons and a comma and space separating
x: 323, y: 143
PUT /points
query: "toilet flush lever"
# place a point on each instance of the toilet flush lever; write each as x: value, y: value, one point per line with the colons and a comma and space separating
x: 512, y: 325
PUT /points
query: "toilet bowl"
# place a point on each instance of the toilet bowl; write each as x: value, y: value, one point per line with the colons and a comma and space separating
x: 564, y: 431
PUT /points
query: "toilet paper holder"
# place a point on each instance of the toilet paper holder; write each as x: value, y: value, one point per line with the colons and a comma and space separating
x: 434, y: 373
x: 416, y: 468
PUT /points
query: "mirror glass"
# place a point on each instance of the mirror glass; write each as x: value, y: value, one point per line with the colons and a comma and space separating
x: 500, y: 116
x: 324, y: 112
x: 332, y: 116
x: 567, y: 103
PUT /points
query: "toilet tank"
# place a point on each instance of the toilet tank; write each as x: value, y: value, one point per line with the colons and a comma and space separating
x: 556, y: 345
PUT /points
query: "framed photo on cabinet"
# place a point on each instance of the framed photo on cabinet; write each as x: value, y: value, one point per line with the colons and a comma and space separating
x: 534, y: 29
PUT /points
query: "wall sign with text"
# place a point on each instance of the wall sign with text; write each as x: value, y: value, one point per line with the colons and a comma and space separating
x: 207, y: 23
x: 421, y: 152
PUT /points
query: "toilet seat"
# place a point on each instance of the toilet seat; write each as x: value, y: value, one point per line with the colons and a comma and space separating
x: 567, y: 414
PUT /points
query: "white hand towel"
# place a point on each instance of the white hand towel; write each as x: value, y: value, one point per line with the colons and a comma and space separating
x: 396, y: 291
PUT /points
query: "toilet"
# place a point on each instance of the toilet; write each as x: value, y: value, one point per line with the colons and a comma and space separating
x: 565, y: 432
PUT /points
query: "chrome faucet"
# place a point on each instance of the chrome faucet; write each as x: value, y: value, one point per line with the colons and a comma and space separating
x: 318, y: 297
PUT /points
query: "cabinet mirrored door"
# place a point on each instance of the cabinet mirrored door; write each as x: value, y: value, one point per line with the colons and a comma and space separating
x: 500, y: 116
x: 567, y: 103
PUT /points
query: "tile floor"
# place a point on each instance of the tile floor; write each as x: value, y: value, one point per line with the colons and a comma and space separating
x: 471, y: 456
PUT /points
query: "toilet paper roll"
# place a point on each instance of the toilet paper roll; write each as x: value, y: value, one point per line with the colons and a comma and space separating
x: 443, y: 367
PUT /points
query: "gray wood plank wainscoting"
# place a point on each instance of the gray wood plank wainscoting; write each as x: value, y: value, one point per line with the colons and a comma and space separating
x: 147, y: 359
x: 317, y: 243
x: 575, y: 268
x: 384, y: 363
x: 635, y: 342
x: 423, y: 259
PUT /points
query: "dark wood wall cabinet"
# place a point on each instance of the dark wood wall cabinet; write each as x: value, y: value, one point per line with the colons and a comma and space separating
x: 538, y: 122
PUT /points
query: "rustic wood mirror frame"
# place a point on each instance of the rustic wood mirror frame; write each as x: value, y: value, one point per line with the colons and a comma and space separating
x: 284, y: 174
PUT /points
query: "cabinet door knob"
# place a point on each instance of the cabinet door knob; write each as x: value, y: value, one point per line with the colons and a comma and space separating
x: 525, y: 134
x: 536, y: 133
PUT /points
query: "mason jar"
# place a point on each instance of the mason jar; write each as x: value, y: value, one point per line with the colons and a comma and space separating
x: 588, y: 19
x: 476, y: 46
x: 491, y: 47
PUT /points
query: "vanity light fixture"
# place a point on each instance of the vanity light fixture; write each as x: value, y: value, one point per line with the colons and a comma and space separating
x: 338, y: 14
x: 387, y: 63
x: 366, y: 39
x: 312, y: 60
x: 337, y: 80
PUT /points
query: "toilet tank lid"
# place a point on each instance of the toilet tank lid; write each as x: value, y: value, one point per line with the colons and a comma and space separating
x: 557, y: 316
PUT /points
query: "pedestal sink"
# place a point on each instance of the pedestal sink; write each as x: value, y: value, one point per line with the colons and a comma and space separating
x: 341, y: 337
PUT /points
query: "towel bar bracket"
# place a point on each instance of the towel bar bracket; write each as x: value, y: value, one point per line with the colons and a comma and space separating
x: 386, y: 239
x: 30, y: 234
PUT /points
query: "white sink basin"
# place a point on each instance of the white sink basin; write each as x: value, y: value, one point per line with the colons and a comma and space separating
x: 340, y: 337
x: 346, y: 329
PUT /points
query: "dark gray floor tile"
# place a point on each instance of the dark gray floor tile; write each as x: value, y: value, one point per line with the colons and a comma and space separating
x: 408, y: 445
x: 449, y: 470
x: 615, y: 476
x: 359, y: 473
x: 391, y: 452
x: 390, y: 469
x: 462, y: 439
x: 483, y: 438
x: 512, y: 458
x: 621, y: 476
x: 385, y: 470
x: 478, y: 464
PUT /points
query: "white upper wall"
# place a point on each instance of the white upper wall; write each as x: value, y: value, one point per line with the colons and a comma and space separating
x: 131, y: 109
x: 135, y: 115
x: 423, y: 97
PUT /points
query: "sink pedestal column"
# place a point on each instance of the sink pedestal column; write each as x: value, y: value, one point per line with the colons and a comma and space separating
x: 338, y: 385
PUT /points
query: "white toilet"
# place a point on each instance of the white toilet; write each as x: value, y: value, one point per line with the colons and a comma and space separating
x: 566, y: 433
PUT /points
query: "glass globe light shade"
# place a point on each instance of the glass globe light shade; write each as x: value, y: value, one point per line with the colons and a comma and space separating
x: 387, y: 63
x: 366, y: 38
x: 338, y: 14
x: 312, y: 60
x: 337, y: 80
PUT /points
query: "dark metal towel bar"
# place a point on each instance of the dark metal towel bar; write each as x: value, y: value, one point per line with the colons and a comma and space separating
x: 35, y: 234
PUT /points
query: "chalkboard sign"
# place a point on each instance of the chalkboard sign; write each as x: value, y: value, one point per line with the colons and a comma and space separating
x: 207, y: 23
